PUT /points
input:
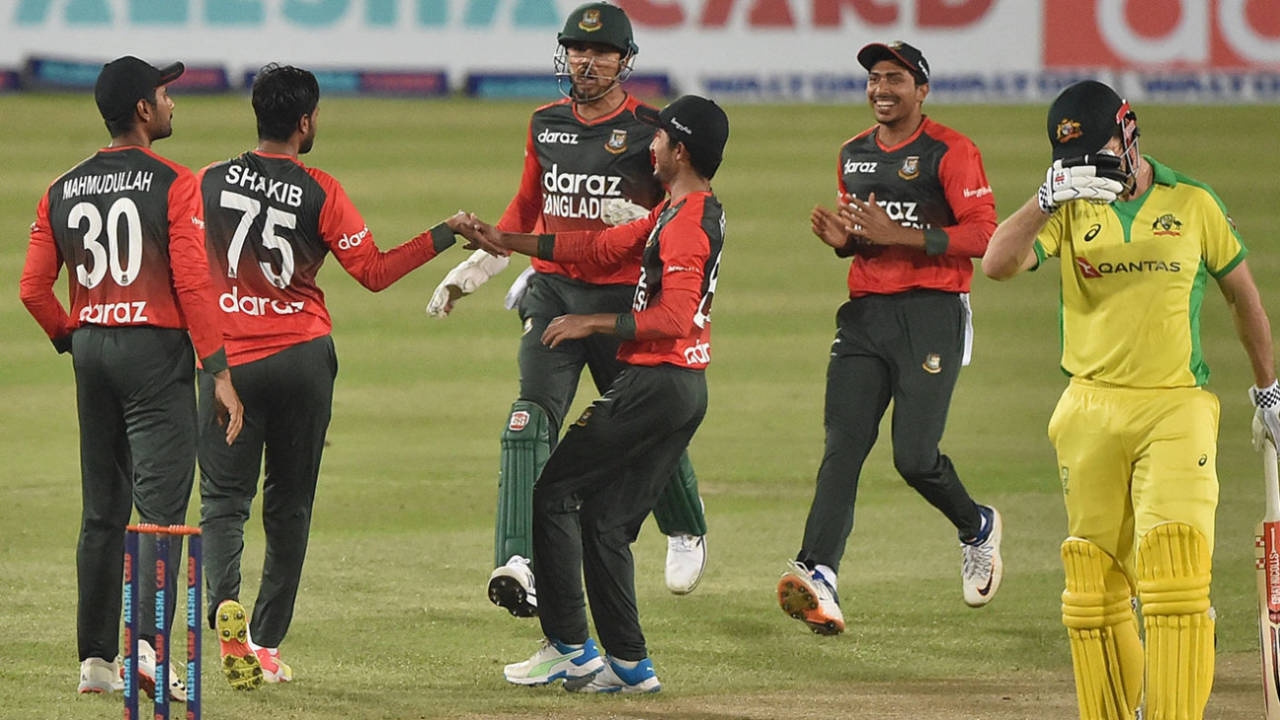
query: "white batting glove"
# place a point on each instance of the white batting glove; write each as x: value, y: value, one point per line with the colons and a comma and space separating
x: 464, y: 279
x: 620, y: 211
x: 1096, y: 178
x: 1266, y: 419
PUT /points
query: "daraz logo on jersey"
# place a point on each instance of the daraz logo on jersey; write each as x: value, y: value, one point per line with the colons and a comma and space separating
x: 1088, y: 270
x: 577, y: 195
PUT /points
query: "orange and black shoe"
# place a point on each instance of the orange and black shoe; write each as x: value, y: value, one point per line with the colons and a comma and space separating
x: 807, y: 596
x: 239, y: 662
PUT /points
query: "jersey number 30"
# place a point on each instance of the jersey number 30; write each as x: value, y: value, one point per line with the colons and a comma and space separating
x: 109, y: 256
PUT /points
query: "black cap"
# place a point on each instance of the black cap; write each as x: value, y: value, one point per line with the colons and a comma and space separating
x: 124, y: 81
x: 1083, y: 118
x: 899, y: 52
x: 599, y: 22
x: 697, y: 122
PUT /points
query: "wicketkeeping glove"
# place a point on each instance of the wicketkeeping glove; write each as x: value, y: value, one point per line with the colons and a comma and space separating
x: 464, y: 279
x: 1098, y: 178
x: 1266, y: 419
x: 620, y: 211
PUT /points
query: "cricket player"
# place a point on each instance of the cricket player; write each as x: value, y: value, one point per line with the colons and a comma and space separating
x: 586, y: 167
x: 270, y: 223
x: 126, y: 224
x: 615, y: 460
x: 1135, y: 430
x: 915, y: 209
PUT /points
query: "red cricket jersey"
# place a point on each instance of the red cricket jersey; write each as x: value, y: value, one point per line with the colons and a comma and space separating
x: 678, y: 249
x: 933, y: 181
x: 571, y: 166
x: 270, y: 221
x: 128, y: 222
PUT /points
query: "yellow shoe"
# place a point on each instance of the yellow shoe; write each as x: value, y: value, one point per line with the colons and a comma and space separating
x: 274, y: 670
x: 239, y: 662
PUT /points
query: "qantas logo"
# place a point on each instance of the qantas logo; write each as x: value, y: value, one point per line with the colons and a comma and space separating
x: 1088, y: 270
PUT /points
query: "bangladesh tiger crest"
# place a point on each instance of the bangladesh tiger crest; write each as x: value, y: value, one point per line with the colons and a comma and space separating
x: 910, y: 169
x: 1067, y: 129
x: 932, y: 364
x: 1167, y: 224
x: 617, y: 142
x: 590, y: 21
x: 582, y: 419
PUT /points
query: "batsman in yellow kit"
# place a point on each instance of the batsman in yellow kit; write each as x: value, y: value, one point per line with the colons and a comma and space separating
x: 1135, y: 430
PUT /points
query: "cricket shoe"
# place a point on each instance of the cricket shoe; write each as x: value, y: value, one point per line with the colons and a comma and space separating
x: 686, y: 559
x: 240, y: 663
x: 511, y: 587
x: 807, y: 596
x: 616, y: 678
x: 274, y: 670
x: 99, y: 676
x: 982, y: 568
x: 147, y: 674
x: 555, y: 660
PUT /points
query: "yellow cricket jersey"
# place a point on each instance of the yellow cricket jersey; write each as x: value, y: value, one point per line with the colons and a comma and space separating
x: 1133, y: 279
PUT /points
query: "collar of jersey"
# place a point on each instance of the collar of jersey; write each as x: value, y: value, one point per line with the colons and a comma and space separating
x: 1163, y: 174
x: 282, y: 156
x: 924, y: 120
x: 626, y: 103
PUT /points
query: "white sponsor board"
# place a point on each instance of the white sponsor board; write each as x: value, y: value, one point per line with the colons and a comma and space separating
x: 741, y: 49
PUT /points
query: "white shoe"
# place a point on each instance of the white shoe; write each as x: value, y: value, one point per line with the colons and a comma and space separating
x: 99, y: 676
x: 511, y: 587
x: 147, y: 673
x: 555, y: 660
x: 982, y: 568
x: 808, y: 597
x: 615, y: 678
x: 686, y: 559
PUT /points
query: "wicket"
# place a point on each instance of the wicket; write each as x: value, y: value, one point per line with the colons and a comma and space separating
x: 131, y: 573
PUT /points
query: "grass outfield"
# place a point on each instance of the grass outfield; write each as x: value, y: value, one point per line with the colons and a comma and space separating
x: 392, y: 621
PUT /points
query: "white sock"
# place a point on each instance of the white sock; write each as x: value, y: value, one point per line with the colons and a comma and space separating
x: 628, y: 664
x: 827, y: 574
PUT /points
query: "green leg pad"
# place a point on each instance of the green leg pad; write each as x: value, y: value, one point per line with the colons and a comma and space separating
x: 526, y: 445
x: 679, y: 509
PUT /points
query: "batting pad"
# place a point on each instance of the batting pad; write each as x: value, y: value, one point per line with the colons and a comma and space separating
x: 679, y: 509
x: 1173, y: 585
x: 1106, y: 652
x: 526, y: 445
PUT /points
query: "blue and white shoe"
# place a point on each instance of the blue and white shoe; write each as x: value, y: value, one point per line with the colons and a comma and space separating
x: 615, y: 678
x: 982, y: 567
x: 554, y: 661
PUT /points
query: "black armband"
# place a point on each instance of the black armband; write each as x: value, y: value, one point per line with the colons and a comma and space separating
x: 442, y: 238
x: 625, y: 326
x: 849, y: 250
x: 215, y: 363
x: 546, y: 246
x: 935, y: 241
